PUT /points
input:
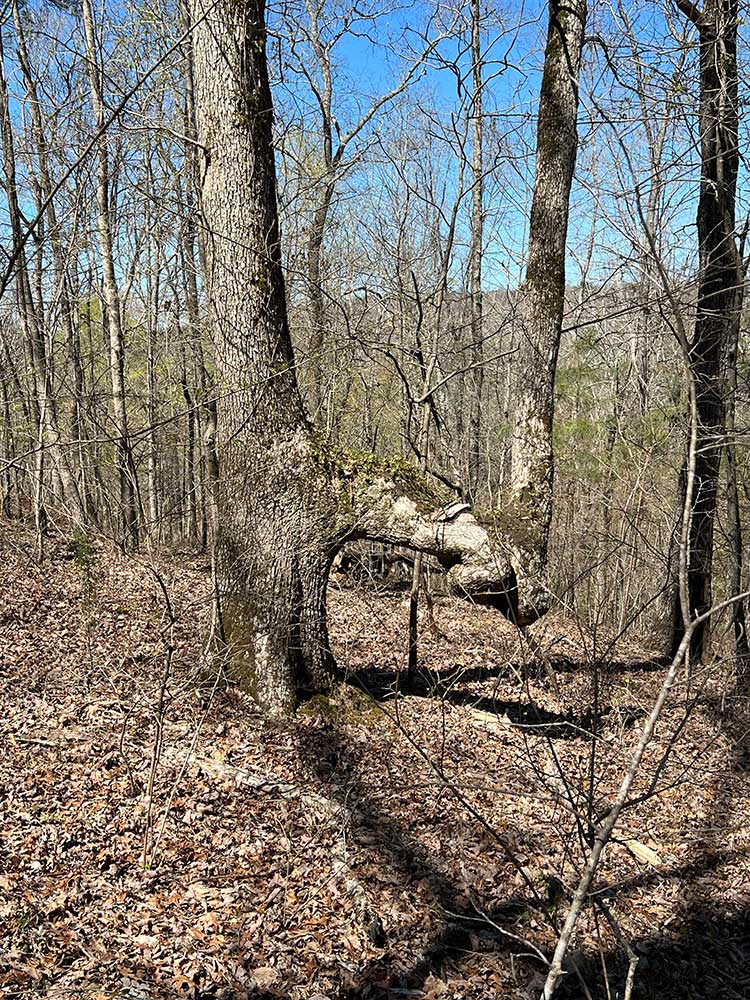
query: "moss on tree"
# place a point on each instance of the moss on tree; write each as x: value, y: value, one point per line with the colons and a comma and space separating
x: 358, y: 470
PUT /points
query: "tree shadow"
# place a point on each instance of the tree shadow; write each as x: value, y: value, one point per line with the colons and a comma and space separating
x: 381, y: 682
x: 520, y: 714
x: 704, y: 953
x: 733, y: 716
x: 328, y: 760
x: 536, y: 720
x: 706, y: 862
x: 706, y: 958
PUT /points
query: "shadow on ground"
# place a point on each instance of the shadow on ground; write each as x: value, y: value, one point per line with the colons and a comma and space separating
x: 328, y: 759
x: 705, y: 952
x: 707, y: 958
x: 382, y: 681
x: 704, y: 955
x: 535, y: 719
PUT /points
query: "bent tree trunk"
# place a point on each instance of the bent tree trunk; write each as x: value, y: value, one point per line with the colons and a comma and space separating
x: 287, y: 500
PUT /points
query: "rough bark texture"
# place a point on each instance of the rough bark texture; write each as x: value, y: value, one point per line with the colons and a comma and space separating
x: 542, y: 300
x: 717, y: 281
x: 287, y: 500
x: 263, y: 546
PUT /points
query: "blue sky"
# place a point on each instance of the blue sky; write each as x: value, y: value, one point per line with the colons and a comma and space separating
x: 513, y: 43
x: 371, y: 58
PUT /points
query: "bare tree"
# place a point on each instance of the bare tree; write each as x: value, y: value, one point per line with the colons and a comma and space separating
x: 476, y: 252
x: 315, y: 35
x: 287, y: 500
x: 716, y: 24
x: 111, y: 297
x: 542, y: 300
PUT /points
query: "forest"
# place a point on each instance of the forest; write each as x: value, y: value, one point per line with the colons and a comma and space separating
x: 374, y: 484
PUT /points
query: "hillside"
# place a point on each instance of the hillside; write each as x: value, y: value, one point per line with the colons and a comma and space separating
x: 161, y: 840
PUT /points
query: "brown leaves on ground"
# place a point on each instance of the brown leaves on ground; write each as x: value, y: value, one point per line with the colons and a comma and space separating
x: 407, y: 844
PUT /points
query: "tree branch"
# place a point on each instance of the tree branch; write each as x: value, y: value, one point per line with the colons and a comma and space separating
x: 690, y: 11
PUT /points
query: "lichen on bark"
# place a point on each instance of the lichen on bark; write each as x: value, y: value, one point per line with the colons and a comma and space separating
x: 358, y: 470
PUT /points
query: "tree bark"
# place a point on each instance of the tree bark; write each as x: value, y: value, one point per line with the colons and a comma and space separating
x: 72, y: 494
x: 476, y: 373
x: 542, y: 300
x: 734, y: 520
x: 193, y: 253
x: 315, y: 292
x: 716, y: 303
x: 33, y: 334
x: 125, y: 463
x: 270, y: 560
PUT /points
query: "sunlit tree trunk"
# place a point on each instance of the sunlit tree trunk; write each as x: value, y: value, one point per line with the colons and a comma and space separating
x: 542, y: 300
x: 476, y: 373
x: 287, y: 500
x: 271, y: 560
x: 193, y: 254
x: 73, y: 494
x: 33, y: 334
x: 734, y: 530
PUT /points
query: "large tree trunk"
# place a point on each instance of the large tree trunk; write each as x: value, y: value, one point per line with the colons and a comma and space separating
x: 270, y: 555
x: 542, y: 300
x: 287, y: 501
x: 717, y: 30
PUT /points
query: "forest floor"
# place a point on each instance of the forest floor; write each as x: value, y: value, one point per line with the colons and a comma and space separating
x: 159, y: 840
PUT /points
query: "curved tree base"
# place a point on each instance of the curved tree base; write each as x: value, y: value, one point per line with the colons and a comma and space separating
x: 280, y: 528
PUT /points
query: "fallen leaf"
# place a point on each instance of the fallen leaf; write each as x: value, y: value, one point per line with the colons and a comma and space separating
x: 642, y: 853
